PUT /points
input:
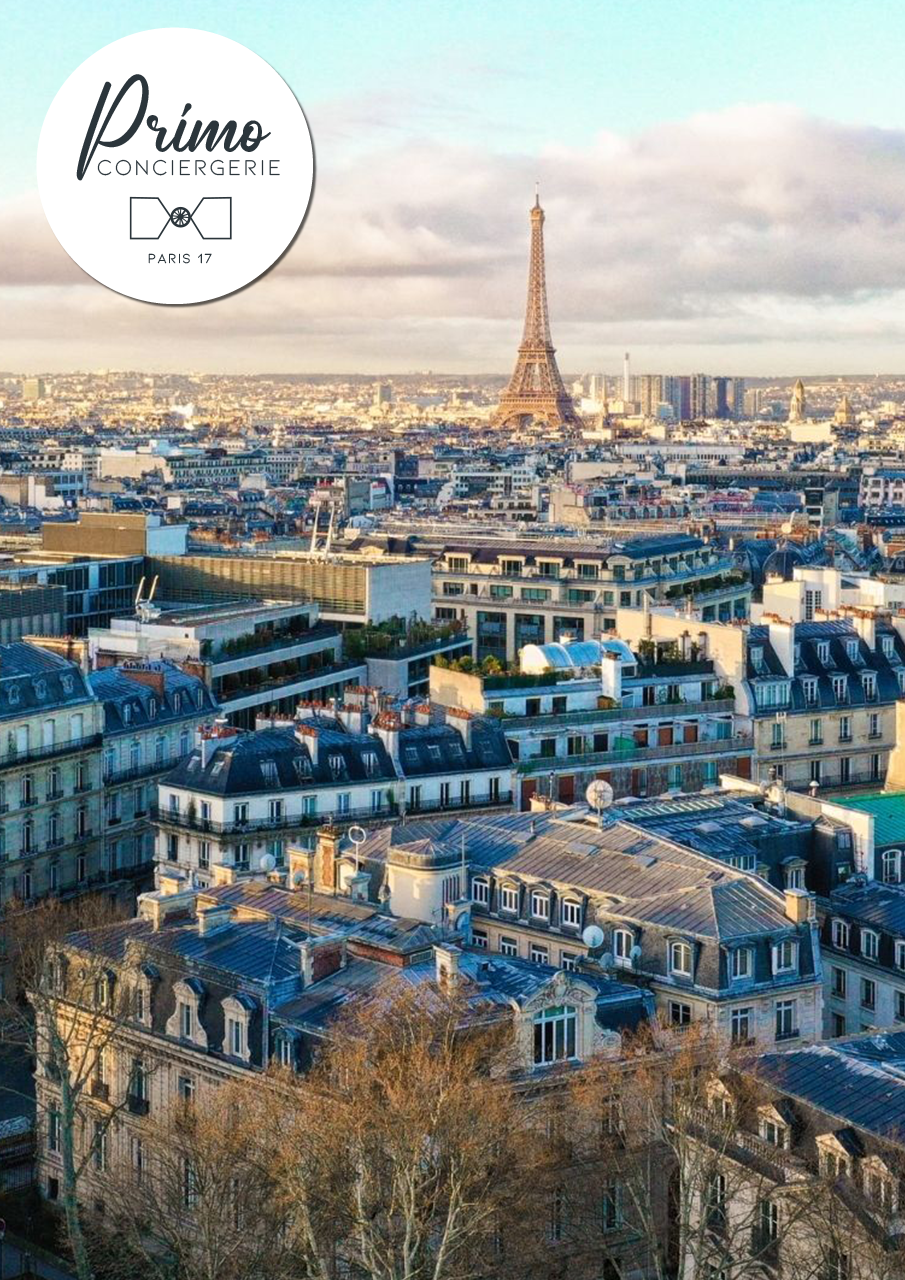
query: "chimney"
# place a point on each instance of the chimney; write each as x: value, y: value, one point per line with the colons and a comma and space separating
x: 146, y: 673
x: 159, y: 907
x: 360, y: 886
x: 325, y: 855
x: 210, y: 737
x: 782, y: 638
x: 213, y: 920
x: 611, y: 676
x: 799, y: 905
x: 300, y: 861
x: 423, y: 715
x: 447, y: 959
x: 306, y: 958
x: 462, y: 721
x: 386, y: 727
x: 308, y: 736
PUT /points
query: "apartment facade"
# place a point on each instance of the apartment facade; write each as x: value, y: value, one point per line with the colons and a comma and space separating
x: 511, y: 595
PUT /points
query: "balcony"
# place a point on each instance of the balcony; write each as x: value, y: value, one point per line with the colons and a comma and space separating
x: 137, y: 1106
x: 631, y: 755
x: 100, y: 1090
x: 609, y: 715
x: 15, y: 758
x: 297, y: 821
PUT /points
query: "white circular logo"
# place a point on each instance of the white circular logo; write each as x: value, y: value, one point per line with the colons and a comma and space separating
x: 175, y: 166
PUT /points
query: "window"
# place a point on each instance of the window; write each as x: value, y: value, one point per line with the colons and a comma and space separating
x: 870, y: 944
x: 611, y: 1206
x: 899, y: 1003
x: 815, y: 738
x: 873, y: 725
x: 679, y: 1014
x: 840, y: 688
x: 623, y: 941
x: 189, y: 1185
x: 571, y: 913
x: 891, y: 866
x: 845, y: 728
x: 53, y: 1131
x: 900, y: 953
x: 838, y: 1266
x: 554, y: 1035
x: 741, y: 963
x: 680, y: 959
x: 839, y: 978
x: 809, y: 688
x: 568, y: 961
x: 204, y: 854
x: 778, y: 738
x: 774, y: 1132
x: 99, y: 1146
x: 785, y: 956
x: 508, y: 947
x: 841, y: 934
x: 236, y: 1037
x: 509, y: 898
x: 540, y: 906
x: 786, y: 1019
x: 480, y: 892
x: 186, y: 1020
x: 868, y: 994
x: 138, y: 1158
x: 479, y: 938
x: 869, y: 684
x: 538, y: 954
x: 185, y: 1089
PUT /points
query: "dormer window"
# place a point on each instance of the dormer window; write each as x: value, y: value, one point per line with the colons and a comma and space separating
x: 878, y: 1183
x: 540, y: 905
x: 823, y: 651
x: 269, y: 773
x: 509, y: 898
x: 480, y: 892
x: 127, y: 713
x: 371, y: 766
x: 840, y: 688
x: 742, y: 963
x: 337, y: 764
x: 900, y: 953
x: 623, y: 941
x: 185, y: 1021
x: 892, y: 866
x: 785, y: 956
x: 571, y: 913
x: 870, y: 944
x: 888, y: 646
x: 851, y: 648
x: 809, y: 688
x: 152, y: 708
x: 774, y: 1129
x: 869, y: 683
x: 555, y: 1035
x: 237, y: 1022
x: 680, y: 959
x: 841, y: 934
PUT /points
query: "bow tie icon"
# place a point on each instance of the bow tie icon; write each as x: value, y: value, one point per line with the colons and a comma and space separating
x: 212, y: 217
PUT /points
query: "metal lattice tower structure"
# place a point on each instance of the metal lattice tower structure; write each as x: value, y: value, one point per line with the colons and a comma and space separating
x: 536, y: 388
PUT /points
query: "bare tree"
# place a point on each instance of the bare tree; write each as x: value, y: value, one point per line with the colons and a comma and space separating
x: 201, y: 1199
x: 689, y: 1186
x: 408, y: 1153
x: 65, y: 1011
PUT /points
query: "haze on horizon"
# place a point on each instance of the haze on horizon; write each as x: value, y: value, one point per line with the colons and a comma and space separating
x: 723, y: 195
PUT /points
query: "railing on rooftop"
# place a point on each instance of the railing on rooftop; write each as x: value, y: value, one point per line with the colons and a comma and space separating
x: 630, y: 754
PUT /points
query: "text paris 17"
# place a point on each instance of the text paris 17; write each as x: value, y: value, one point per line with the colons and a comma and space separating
x: 175, y: 259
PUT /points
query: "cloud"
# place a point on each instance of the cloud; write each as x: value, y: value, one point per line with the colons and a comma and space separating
x: 757, y: 227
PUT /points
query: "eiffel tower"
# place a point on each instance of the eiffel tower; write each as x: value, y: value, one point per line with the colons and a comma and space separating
x: 536, y: 389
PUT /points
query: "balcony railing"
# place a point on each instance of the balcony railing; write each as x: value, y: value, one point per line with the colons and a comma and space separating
x: 296, y: 821
x: 607, y: 715
x: 15, y: 758
x: 629, y: 755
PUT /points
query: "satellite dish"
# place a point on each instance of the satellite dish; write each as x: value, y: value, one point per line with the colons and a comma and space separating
x: 599, y: 795
x: 268, y: 862
x: 593, y: 936
x: 298, y: 878
x: 635, y: 953
x: 606, y: 960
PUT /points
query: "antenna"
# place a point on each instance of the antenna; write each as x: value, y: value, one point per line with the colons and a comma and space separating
x: 358, y: 836
x: 153, y: 587
x: 536, y: 194
x: 141, y: 587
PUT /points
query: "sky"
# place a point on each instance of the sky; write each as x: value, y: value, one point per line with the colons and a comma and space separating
x: 724, y: 183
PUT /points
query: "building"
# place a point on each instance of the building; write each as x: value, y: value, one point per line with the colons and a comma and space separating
x: 51, y: 725
x: 33, y: 389
x: 349, y: 588
x: 255, y: 657
x: 711, y: 942
x: 151, y: 713
x: 589, y: 709
x: 248, y: 975
x: 517, y: 593
x: 863, y: 946
x: 805, y: 1162
x: 819, y: 696
x: 114, y: 534
x: 239, y: 797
